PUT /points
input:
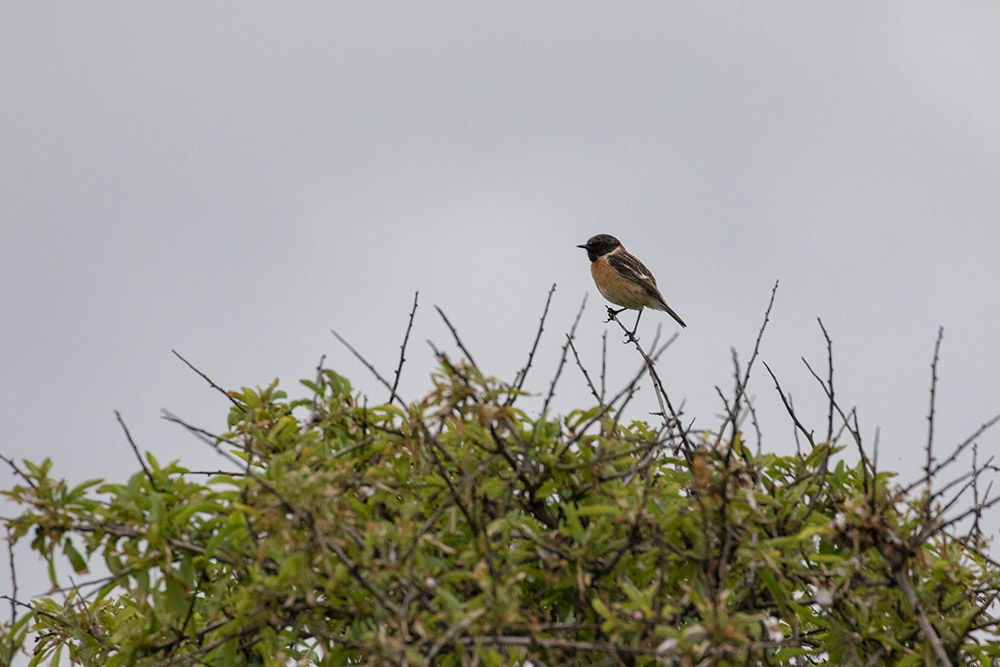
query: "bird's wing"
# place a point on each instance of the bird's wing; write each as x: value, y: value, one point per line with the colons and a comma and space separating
x: 636, y: 271
x: 633, y: 269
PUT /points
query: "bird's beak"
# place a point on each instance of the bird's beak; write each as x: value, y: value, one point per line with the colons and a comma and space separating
x: 584, y: 246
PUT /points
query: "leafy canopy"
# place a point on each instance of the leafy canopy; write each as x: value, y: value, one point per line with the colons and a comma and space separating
x: 459, y: 530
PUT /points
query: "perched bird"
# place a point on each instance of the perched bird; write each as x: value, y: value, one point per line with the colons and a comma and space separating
x: 622, y: 279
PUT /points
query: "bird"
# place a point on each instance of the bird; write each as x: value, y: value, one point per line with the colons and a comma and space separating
x: 624, y: 280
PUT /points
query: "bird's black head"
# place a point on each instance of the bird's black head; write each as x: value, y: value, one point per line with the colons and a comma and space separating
x: 600, y: 245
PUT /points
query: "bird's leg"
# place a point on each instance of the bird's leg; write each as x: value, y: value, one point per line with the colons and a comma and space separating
x: 631, y: 337
x: 612, y: 313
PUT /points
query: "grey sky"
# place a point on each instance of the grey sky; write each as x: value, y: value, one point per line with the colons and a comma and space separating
x: 234, y: 179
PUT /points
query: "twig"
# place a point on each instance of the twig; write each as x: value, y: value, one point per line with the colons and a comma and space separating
x: 458, y: 341
x: 628, y: 391
x: 562, y: 358
x: 523, y: 373
x: 556, y: 642
x: 463, y: 485
x: 925, y: 625
x: 661, y: 394
x: 856, y: 434
x: 958, y: 450
x: 466, y: 621
x: 586, y: 376
x: 790, y: 410
x: 976, y: 529
x: 13, y: 596
x: 855, y: 431
x: 756, y: 425
x: 128, y: 436
x: 795, y: 429
x: 356, y: 572
x: 402, y: 349
x: 604, y: 360
x: 316, y: 394
x: 829, y: 363
x: 212, y: 473
x: 930, y: 423
x: 741, y: 385
x: 209, y: 439
x: 17, y: 471
x: 209, y: 380
x: 932, y: 529
x: 357, y: 355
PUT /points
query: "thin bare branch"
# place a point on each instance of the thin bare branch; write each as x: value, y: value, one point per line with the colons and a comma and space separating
x: 135, y: 450
x: 562, y: 358
x: 522, y: 374
x: 604, y: 361
x: 926, y: 627
x: 378, y: 376
x: 741, y: 385
x: 627, y: 392
x: 788, y: 408
x: 829, y: 381
x: 930, y: 423
x: 207, y: 438
x: 208, y: 380
x: 458, y: 341
x: 854, y: 431
x: 586, y: 375
x: 13, y: 595
x: 671, y: 418
x: 962, y: 446
x: 402, y: 350
x: 17, y: 471
x: 976, y: 529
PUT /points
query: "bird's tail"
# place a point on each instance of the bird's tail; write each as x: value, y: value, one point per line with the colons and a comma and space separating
x: 662, y: 305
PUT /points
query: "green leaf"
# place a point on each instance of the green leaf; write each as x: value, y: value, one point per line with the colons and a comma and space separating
x: 75, y: 559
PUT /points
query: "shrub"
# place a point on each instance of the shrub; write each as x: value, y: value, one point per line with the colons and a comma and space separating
x: 461, y: 530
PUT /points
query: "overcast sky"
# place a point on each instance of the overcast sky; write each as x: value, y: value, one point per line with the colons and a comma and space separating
x: 232, y: 180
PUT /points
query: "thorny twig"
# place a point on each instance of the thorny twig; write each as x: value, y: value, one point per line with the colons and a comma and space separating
x: 522, y: 374
x: 741, y: 385
x: 458, y: 341
x: 930, y: 422
x: 402, y: 350
x: 562, y: 358
x: 586, y: 375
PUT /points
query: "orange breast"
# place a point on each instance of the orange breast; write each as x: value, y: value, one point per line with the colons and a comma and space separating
x: 617, y: 289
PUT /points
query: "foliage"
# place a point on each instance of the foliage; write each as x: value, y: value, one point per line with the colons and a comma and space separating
x: 460, y: 530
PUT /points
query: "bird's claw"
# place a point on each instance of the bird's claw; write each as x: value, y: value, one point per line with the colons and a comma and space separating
x: 612, y: 313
